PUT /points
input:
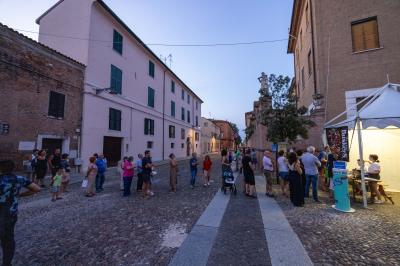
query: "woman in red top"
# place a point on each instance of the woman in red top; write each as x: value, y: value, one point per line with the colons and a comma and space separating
x: 206, y: 169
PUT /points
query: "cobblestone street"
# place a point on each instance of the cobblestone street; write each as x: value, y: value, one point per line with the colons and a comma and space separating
x: 367, y: 237
x: 108, y: 229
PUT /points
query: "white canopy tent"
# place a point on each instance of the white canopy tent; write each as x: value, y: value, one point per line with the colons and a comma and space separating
x: 378, y: 128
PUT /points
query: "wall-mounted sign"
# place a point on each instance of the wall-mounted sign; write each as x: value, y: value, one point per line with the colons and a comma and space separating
x: 26, y: 145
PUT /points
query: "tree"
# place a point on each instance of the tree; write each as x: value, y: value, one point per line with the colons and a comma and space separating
x: 249, y: 131
x: 284, y: 121
x: 238, y: 138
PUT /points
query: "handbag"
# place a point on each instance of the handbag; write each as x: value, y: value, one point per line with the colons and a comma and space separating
x: 85, y: 183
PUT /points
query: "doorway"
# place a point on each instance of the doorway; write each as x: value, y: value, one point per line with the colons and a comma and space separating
x: 112, y: 150
x: 51, y: 144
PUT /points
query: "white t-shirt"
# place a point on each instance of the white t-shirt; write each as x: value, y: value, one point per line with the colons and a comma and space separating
x: 374, y: 167
x: 282, y: 164
x: 267, y: 163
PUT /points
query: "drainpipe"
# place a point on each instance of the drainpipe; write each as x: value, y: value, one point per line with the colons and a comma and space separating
x: 312, y: 47
x: 163, y: 120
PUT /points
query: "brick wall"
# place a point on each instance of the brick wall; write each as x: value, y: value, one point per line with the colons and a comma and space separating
x: 28, y: 72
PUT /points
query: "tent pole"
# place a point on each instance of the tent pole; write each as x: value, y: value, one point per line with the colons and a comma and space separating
x: 360, y: 151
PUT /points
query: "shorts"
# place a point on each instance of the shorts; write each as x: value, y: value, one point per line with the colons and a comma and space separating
x: 55, y: 189
x: 284, y: 176
x: 249, y: 179
x: 268, y: 177
x: 206, y: 173
x: 146, y: 178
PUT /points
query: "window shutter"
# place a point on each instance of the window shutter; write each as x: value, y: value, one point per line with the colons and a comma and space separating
x: 357, y: 35
x: 145, y: 127
x: 150, y: 99
x: 370, y: 31
x: 151, y: 127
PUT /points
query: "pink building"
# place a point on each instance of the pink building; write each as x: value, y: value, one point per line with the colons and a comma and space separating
x: 132, y: 100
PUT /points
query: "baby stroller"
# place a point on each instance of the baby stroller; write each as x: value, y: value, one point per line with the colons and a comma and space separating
x: 229, y: 182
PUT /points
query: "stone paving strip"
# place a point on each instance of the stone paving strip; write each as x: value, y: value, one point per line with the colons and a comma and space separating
x: 285, y: 248
x: 196, y: 249
x: 241, y: 238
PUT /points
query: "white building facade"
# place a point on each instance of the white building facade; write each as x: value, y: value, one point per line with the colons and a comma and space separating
x: 132, y: 101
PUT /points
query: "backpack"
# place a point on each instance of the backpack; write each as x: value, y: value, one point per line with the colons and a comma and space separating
x: 5, y: 207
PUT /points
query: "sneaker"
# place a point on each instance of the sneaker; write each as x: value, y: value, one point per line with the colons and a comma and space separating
x: 150, y: 193
x: 378, y: 201
x: 192, y: 187
x: 53, y: 200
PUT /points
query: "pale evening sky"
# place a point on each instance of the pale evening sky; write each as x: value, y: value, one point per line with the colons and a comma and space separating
x: 224, y: 77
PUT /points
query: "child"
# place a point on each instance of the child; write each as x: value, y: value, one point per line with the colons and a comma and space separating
x: 66, y: 172
x: 206, y: 170
x: 56, y: 184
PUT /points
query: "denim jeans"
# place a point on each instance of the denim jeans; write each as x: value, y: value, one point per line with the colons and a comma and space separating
x: 99, y: 181
x: 127, y: 185
x: 193, y: 172
x: 314, y: 180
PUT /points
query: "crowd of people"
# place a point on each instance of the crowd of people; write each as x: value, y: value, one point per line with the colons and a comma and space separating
x: 297, y: 173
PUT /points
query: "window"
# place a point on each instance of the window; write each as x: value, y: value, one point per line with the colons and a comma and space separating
x: 302, y: 78
x: 205, y: 124
x: 172, y: 145
x: 150, y: 97
x: 183, y: 133
x: 171, y: 132
x: 114, y: 119
x: 117, y: 42
x: 151, y: 69
x: 197, y: 121
x: 196, y: 136
x: 172, y: 108
x: 149, y: 145
x: 172, y: 86
x: 188, y: 98
x: 307, y: 16
x: 310, y: 66
x: 116, y: 79
x: 364, y: 34
x: 182, y: 145
x: 56, y: 104
x: 149, y: 126
x: 183, y: 95
x: 183, y: 114
x: 188, y: 116
x: 197, y: 105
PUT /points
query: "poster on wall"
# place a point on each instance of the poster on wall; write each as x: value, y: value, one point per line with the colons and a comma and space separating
x: 338, y: 139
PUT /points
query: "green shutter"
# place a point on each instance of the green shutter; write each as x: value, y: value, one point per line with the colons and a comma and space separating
x: 172, y: 108
x: 151, y: 69
x: 116, y: 79
x: 150, y: 97
x: 117, y: 42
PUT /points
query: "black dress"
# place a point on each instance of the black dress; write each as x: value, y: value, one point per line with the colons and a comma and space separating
x: 296, y: 187
x: 41, y: 168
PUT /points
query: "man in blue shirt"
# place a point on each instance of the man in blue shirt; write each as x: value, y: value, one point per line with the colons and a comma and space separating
x: 101, y: 169
x: 193, y: 169
x: 311, y: 164
x: 139, y: 171
x: 10, y: 187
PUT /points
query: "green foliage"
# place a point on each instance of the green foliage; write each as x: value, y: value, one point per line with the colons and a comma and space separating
x: 285, y: 122
x: 238, y: 138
